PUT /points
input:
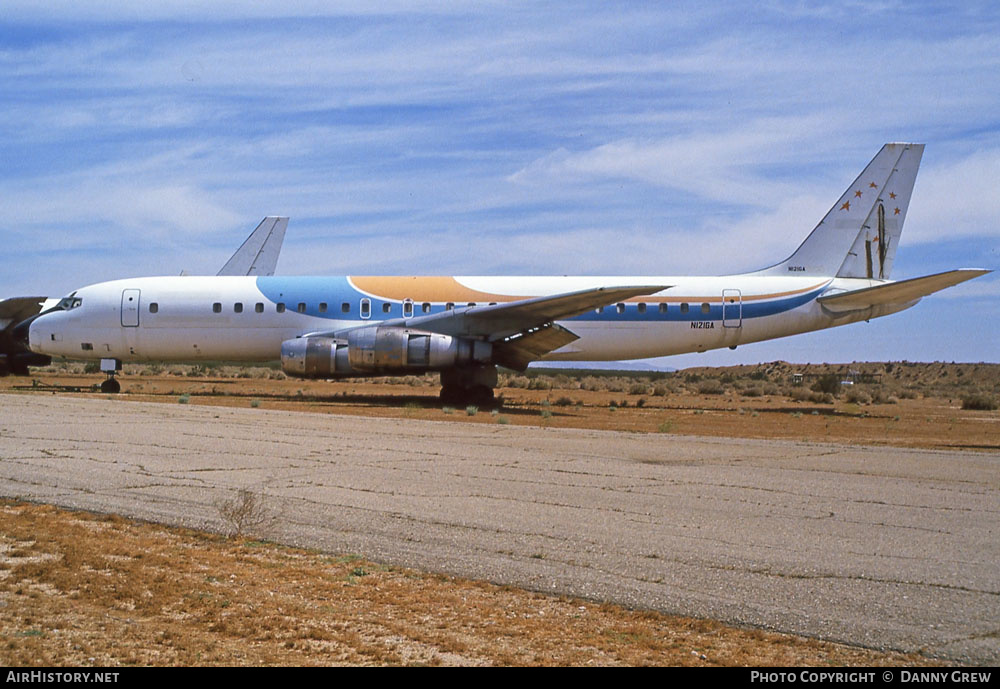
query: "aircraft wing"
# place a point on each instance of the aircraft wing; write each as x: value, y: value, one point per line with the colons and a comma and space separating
x: 504, y: 320
x: 258, y: 255
x: 524, y: 330
x: 901, y: 292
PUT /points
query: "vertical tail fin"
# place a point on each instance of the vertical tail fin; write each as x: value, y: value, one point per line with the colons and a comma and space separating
x: 858, y: 236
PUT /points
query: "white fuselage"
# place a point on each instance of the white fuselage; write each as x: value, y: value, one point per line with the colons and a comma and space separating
x: 193, y: 318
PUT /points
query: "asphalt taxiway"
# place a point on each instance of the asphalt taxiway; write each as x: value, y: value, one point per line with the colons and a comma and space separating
x: 883, y: 547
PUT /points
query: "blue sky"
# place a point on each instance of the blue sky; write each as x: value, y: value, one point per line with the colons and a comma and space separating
x: 501, y: 138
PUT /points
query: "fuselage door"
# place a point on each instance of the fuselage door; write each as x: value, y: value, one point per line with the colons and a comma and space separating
x: 732, y: 308
x: 130, y: 308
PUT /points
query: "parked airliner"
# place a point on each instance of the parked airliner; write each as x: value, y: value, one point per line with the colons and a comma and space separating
x: 464, y: 327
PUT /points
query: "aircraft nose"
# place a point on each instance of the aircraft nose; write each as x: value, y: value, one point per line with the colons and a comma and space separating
x: 35, y: 333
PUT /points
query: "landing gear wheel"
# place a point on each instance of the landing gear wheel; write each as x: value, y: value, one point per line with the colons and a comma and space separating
x: 481, y: 395
x: 111, y: 386
x: 451, y: 394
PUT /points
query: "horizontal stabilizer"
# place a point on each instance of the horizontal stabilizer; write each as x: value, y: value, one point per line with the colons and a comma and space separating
x: 901, y: 292
x: 258, y: 255
x: 16, y: 309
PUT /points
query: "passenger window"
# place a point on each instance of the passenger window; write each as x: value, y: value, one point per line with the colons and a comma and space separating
x: 705, y: 308
x: 472, y: 303
x: 238, y: 307
x: 87, y: 346
x: 279, y: 307
x: 407, y: 309
x: 322, y: 307
x: 217, y: 307
x: 663, y: 308
x: 684, y: 308
x: 154, y: 307
x: 449, y: 306
x: 425, y: 307
x: 386, y: 307
x: 366, y: 308
x: 259, y: 308
x: 345, y: 307
x: 302, y: 307
x: 641, y: 308
x: 620, y: 308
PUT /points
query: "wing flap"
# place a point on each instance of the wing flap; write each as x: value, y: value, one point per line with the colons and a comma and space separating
x: 901, y: 292
x: 519, y: 350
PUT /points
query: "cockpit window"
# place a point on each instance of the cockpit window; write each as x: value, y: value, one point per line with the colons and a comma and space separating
x: 68, y: 303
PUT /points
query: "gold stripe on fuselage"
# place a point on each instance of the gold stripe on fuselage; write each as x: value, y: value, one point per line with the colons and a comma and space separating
x: 442, y: 289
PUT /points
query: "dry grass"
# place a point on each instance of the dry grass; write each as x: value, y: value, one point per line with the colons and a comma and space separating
x: 82, y: 589
x: 912, y: 405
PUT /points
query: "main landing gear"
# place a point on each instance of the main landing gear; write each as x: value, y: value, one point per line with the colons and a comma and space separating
x: 473, y: 385
x: 111, y: 367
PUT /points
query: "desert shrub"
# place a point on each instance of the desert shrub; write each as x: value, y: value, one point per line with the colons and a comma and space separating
x: 798, y: 394
x: 979, y: 401
x: 540, y: 384
x: 753, y: 391
x: 857, y: 396
x: 245, y: 513
x: 883, y: 396
x: 710, y: 387
x: 828, y: 383
x: 638, y: 389
x: 518, y: 382
x: 564, y: 382
x: 771, y: 389
x: 564, y: 401
x: 615, y: 385
x: 92, y: 367
x: 592, y: 383
x: 660, y: 390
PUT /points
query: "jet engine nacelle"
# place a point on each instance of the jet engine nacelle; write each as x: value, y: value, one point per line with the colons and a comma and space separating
x: 377, y: 350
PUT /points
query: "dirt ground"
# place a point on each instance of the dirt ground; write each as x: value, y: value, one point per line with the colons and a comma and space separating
x: 80, y: 589
x: 917, y: 421
x: 90, y: 590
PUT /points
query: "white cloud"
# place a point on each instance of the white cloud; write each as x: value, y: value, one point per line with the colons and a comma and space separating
x: 719, y: 167
x: 957, y: 199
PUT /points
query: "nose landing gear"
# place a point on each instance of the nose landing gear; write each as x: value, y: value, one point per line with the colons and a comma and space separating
x: 111, y: 367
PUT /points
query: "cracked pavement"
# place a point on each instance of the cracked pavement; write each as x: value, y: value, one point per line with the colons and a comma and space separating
x: 888, y: 548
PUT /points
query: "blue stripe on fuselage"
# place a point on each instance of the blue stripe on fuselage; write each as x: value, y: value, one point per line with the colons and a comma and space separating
x: 335, y: 291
